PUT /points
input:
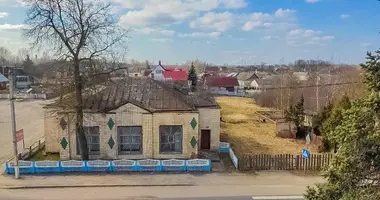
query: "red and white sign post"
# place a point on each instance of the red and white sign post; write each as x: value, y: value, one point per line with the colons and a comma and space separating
x: 20, y: 136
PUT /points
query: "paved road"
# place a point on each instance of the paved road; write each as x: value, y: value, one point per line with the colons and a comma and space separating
x: 232, y: 192
x: 29, y: 116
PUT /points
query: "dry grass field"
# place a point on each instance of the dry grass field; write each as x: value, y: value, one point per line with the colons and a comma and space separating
x: 245, y: 130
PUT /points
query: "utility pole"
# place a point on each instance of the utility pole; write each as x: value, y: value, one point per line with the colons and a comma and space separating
x: 317, y: 95
x: 13, y: 116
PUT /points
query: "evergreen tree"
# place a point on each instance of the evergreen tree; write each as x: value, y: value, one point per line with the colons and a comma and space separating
x: 192, y: 76
x: 354, y: 171
x: 296, y: 114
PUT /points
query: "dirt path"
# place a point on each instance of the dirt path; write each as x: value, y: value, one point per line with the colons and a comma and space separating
x: 29, y: 116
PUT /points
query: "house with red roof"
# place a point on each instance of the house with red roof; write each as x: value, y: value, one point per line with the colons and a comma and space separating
x: 169, y: 73
x: 222, y: 83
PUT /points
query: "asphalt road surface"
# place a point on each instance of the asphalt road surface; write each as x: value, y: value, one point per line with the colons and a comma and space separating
x: 143, y: 193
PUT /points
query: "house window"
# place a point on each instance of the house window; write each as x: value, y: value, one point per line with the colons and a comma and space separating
x: 158, y: 71
x: 170, y: 139
x: 129, y: 139
x: 93, y: 140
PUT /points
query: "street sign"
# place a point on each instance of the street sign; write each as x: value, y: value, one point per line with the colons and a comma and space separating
x: 20, y: 135
x: 305, y: 153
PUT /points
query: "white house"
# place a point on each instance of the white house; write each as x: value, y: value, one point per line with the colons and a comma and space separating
x: 158, y: 72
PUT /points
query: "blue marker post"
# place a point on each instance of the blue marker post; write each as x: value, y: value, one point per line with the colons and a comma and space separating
x: 305, y: 155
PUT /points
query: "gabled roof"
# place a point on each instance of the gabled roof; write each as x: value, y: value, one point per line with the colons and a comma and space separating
x: 175, y: 75
x: 221, y: 81
x: 247, y: 76
x: 3, y: 78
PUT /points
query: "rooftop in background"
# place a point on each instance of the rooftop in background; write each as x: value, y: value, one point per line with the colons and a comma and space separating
x: 221, y: 81
x: 247, y: 76
x: 3, y: 78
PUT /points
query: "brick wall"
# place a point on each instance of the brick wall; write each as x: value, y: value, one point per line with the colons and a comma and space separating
x: 209, y: 119
x: 51, y: 131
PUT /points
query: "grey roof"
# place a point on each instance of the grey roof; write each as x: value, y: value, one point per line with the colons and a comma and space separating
x: 246, y: 76
x: 3, y: 78
x: 146, y: 93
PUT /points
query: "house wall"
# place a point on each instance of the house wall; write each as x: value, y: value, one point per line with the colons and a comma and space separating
x: 209, y: 119
x: 131, y: 115
x: 128, y: 115
x: 176, y: 118
x: 51, y: 131
x: 158, y: 76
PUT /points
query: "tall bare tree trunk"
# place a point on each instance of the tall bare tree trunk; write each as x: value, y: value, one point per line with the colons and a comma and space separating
x: 81, y: 138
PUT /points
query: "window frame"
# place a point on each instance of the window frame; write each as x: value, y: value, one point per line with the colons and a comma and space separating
x: 127, y: 134
x: 171, y: 139
x: 88, y: 134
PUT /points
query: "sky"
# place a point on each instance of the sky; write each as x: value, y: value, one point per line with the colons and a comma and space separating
x: 233, y: 32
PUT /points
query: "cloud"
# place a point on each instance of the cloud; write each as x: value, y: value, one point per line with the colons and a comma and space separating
x: 281, y: 13
x: 201, y: 35
x: 281, y: 19
x: 147, y: 12
x: 303, y: 32
x: 269, y: 37
x: 130, y: 4
x: 12, y: 27
x: 161, y: 31
x: 15, y: 3
x: 365, y: 44
x: 312, y: 1
x: 298, y: 37
x: 233, y: 4
x: 344, y: 16
x: 3, y: 14
x: 209, y: 42
x: 218, y: 21
x: 162, y: 40
x: 166, y: 12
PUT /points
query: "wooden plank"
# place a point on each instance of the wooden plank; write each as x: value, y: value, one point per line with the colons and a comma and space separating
x: 292, y: 161
x: 268, y: 161
x: 259, y: 162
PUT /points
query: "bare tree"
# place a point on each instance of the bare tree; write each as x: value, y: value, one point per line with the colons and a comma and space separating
x: 83, y: 32
x: 5, y: 54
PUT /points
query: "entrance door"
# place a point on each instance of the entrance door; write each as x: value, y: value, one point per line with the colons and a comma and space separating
x: 205, y: 139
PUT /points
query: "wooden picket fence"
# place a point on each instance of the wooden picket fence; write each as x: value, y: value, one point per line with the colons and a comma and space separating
x: 284, y: 162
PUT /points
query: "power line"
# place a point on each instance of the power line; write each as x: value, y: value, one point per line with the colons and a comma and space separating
x: 309, y: 86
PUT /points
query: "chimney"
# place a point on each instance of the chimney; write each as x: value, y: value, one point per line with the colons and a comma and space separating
x: 159, y: 62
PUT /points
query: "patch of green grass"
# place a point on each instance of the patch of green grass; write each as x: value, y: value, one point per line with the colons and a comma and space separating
x: 39, y: 155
